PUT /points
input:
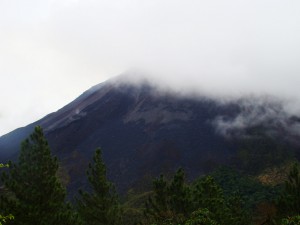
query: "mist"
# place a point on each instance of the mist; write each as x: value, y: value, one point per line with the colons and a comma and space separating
x: 51, y: 51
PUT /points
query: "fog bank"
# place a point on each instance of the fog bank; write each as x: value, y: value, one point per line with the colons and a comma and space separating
x: 51, y: 51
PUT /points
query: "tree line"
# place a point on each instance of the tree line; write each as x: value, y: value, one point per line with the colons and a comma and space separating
x: 32, y: 193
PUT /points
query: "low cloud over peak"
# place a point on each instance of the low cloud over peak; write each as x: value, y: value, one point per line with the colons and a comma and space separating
x: 57, y: 49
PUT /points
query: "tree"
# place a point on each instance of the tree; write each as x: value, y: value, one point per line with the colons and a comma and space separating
x: 171, y: 201
x: 295, y: 220
x: 3, y: 165
x: 201, y: 217
x: 207, y: 194
x: 3, y: 219
x: 37, y: 196
x: 289, y: 201
x: 101, y: 206
x: 180, y: 196
x: 202, y: 202
x: 157, y: 206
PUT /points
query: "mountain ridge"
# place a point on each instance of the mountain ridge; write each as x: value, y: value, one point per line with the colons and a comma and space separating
x: 142, y: 133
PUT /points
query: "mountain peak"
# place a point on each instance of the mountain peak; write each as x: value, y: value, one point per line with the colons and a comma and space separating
x: 139, y: 126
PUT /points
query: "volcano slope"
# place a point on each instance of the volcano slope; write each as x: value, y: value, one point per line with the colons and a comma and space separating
x: 143, y: 132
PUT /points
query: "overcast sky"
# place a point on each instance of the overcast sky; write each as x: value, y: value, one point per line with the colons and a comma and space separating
x: 53, y: 50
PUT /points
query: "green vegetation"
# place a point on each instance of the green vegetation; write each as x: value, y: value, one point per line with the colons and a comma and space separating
x: 36, y: 195
x: 170, y: 202
x: 3, y: 219
x: 289, y: 201
x: 101, y: 206
x: 176, y: 202
x: 261, y: 152
x: 201, y: 216
x: 295, y: 220
x: 3, y: 165
x: 33, y: 194
x: 251, y: 191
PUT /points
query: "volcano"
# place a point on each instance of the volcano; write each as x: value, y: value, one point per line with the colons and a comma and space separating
x: 142, y: 132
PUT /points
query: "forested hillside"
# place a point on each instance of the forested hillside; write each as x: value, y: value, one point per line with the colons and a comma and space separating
x: 33, y: 193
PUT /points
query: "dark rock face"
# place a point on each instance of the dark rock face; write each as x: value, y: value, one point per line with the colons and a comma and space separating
x: 141, y: 133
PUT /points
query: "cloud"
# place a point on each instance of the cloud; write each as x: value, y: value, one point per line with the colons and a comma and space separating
x: 266, y: 112
x: 51, y: 51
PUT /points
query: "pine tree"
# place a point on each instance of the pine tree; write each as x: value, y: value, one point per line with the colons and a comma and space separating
x: 171, y: 201
x: 202, y: 202
x: 37, y: 196
x: 5, y: 218
x: 157, y: 206
x: 180, y: 198
x: 289, y: 201
x: 201, y: 217
x: 208, y: 194
x: 101, y: 206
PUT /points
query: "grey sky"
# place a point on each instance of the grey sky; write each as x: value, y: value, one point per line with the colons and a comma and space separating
x: 53, y: 50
